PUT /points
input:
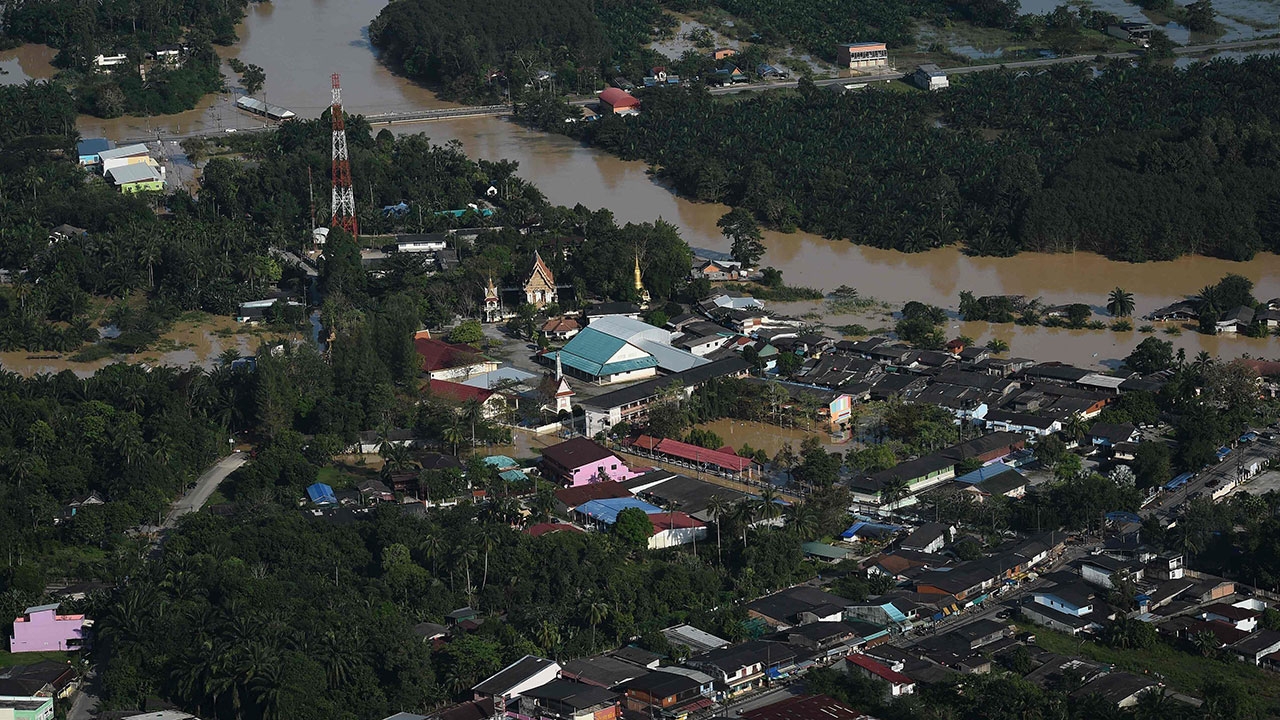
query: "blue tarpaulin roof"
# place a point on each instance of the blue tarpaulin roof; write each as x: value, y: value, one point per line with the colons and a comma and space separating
x: 869, y: 529
x: 501, y: 462
x: 321, y: 494
x: 984, y: 473
x: 606, y: 511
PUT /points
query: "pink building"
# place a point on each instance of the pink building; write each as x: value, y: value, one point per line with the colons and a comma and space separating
x: 580, y: 461
x: 42, y: 628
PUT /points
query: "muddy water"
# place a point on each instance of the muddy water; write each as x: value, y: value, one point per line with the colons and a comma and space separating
x: 29, y: 62
x: 760, y: 436
x: 299, y: 42
x: 186, y: 345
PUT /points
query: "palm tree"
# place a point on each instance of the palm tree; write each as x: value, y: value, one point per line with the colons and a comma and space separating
x: 718, y: 506
x: 1075, y: 428
x: 465, y: 557
x: 1205, y: 642
x: 596, y: 613
x: 893, y: 490
x: 453, y: 434
x: 548, y: 636
x: 770, y: 508
x: 489, y: 539
x: 1120, y: 303
x: 430, y: 546
x: 803, y: 520
x: 471, y: 412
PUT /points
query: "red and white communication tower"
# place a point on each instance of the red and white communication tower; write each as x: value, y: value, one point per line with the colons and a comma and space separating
x: 344, y: 199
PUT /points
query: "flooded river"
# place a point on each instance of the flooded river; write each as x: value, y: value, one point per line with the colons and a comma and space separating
x: 300, y: 42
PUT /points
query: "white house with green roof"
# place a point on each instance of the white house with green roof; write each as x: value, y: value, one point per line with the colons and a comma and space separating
x: 603, y: 359
x: 616, y: 348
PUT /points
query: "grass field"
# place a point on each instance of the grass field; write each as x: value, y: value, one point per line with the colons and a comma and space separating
x: 1179, y: 670
x: 8, y: 659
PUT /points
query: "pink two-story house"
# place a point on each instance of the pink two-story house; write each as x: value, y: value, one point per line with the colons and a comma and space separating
x: 41, y: 628
x: 580, y: 461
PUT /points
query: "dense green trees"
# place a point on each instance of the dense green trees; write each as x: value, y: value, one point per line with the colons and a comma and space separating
x: 1115, y: 171
x: 472, y: 51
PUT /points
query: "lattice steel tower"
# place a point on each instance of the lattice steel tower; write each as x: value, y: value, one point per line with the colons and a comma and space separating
x: 343, y: 201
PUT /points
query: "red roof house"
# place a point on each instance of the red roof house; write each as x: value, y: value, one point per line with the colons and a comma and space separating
x: 447, y: 361
x: 492, y: 402
x: 616, y: 101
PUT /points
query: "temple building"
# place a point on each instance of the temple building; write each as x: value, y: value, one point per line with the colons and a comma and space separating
x: 540, y: 287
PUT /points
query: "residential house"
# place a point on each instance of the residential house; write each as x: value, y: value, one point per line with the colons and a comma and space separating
x: 506, y: 686
x: 88, y: 150
x: 45, y: 679
x: 254, y: 311
x: 885, y: 612
x: 599, y: 310
x: 899, y: 684
x: 569, y: 498
x: 560, y: 329
x: 1109, y: 434
x: 615, y: 101
x: 930, y: 77
x: 563, y: 699
x: 698, y: 641
x: 742, y: 668
x: 374, y: 490
x: 602, y: 670
x: 1257, y: 646
x: 631, y: 404
x: 858, y: 56
x: 1236, y: 320
x: 1098, y: 569
x: 136, y: 154
x: 140, y: 177
x: 449, y: 361
x: 722, y: 53
x: 1066, y: 608
x: 1182, y: 310
x: 492, y: 404
x: 321, y: 494
x: 1120, y: 689
x: 916, y: 475
x: 42, y: 629
x: 26, y: 708
x: 1240, y: 618
x: 1006, y: 421
x: 797, y: 606
x: 580, y: 461
x: 664, y: 695
x: 996, y: 479
x: 928, y: 538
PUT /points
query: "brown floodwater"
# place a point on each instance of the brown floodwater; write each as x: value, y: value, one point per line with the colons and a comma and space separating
x: 300, y: 42
x: 27, y: 62
x: 188, y: 344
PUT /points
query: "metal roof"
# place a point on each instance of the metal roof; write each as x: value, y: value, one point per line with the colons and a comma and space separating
x: 606, y: 511
x: 126, y: 151
x: 137, y: 172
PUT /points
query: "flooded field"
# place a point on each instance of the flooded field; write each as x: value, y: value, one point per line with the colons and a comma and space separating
x: 29, y: 62
x: 188, y: 344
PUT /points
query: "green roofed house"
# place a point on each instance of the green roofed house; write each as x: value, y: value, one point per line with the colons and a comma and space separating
x: 823, y: 551
x: 26, y: 708
x: 616, y: 348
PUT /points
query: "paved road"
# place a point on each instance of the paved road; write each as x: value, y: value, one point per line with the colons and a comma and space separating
x: 411, y: 116
x: 1018, y: 64
x: 1238, y: 462
x: 85, y: 704
x: 195, y: 498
